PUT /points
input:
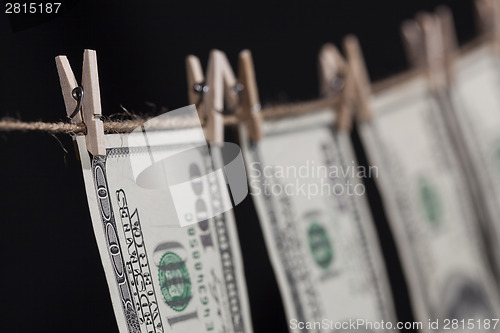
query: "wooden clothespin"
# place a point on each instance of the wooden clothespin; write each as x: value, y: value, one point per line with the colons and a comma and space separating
x: 426, y: 45
x: 90, y: 111
x: 222, y: 89
x: 218, y: 88
x: 435, y: 49
x: 360, y: 78
x: 249, y: 111
x: 335, y: 80
x: 430, y: 36
x: 488, y: 18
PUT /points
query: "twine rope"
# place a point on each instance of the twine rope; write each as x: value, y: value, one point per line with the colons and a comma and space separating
x: 125, y: 126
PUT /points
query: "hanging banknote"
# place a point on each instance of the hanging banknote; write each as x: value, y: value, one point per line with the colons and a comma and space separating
x: 475, y: 106
x: 317, y: 226
x: 163, y: 277
x: 429, y: 209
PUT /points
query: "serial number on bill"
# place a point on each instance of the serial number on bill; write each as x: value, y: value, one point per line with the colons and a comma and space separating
x: 32, y: 8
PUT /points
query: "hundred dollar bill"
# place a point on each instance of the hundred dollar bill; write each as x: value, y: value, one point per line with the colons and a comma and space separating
x: 475, y: 106
x: 163, y: 278
x: 317, y: 225
x: 429, y: 207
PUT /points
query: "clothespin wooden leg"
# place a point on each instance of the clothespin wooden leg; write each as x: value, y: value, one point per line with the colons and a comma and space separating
x: 221, y: 83
x: 359, y: 75
x: 250, y: 104
x: 196, y: 84
x: 92, y: 105
x: 413, y: 41
x: 335, y: 79
x: 68, y: 83
x: 434, y: 49
x: 330, y: 64
x: 449, y: 36
x: 231, y: 96
x: 214, y: 129
x: 447, y: 24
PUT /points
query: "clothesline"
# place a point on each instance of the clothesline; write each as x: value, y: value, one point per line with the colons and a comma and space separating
x: 125, y: 126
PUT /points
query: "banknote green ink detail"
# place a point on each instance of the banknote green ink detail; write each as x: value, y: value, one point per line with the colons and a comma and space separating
x: 175, y: 283
x: 320, y: 245
x: 430, y: 201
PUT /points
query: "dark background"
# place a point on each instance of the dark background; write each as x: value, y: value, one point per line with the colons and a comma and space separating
x: 51, y: 278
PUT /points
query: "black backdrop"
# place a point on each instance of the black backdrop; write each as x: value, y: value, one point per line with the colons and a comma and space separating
x: 52, y: 279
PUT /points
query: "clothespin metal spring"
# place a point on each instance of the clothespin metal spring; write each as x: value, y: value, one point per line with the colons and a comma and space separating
x: 77, y: 94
